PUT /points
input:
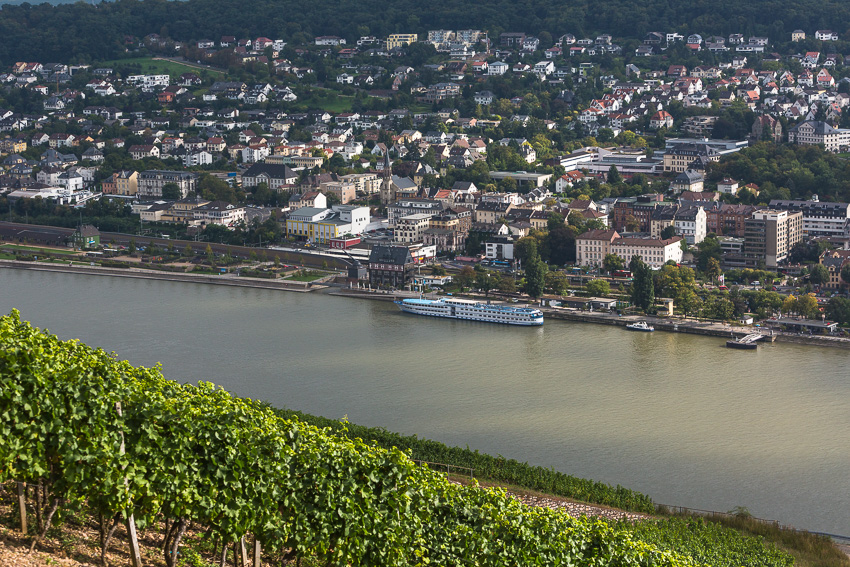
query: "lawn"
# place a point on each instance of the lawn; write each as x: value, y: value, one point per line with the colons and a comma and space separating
x: 327, y: 100
x: 151, y: 66
x: 307, y: 276
x: 37, y: 250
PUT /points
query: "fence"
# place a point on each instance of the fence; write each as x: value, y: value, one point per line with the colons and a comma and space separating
x: 440, y: 467
x: 697, y: 512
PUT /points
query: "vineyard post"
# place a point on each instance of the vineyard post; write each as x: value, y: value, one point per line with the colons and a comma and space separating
x: 135, y: 552
x: 244, y: 550
x: 22, y: 503
x: 258, y: 552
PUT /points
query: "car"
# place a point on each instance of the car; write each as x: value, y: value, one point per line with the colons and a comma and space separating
x: 722, y: 287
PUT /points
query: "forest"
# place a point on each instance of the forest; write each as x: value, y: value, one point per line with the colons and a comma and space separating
x: 82, y: 32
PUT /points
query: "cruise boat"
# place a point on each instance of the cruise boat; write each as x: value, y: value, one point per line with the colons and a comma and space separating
x: 640, y: 326
x: 454, y: 308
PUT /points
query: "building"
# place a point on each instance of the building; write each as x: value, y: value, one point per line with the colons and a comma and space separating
x: 404, y: 207
x: 342, y: 190
x: 819, y: 218
x: 655, y: 252
x: 728, y: 219
x: 390, y: 266
x: 690, y: 224
x: 364, y: 183
x: 411, y: 228
x: 218, y: 212
x: 682, y: 157
x: 769, y: 236
x: 397, y: 40
x: 275, y: 176
x: 151, y: 182
x: 323, y: 225
x: 834, y: 260
x: 593, y: 246
x: 500, y: 247
x: 814, y: 132
x: 124, y: 182
x: 688, y: 181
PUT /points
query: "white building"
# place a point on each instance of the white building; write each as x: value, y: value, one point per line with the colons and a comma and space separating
x: 594, y: 245
x: 654, y: 252
x: 411, y: 228
x: 690, y: 223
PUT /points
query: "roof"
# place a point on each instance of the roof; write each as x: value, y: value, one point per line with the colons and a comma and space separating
x: 598, y: 234
x: 398, y: 255
x: 274, y: 171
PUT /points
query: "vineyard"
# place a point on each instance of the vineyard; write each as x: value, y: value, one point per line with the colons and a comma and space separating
x: 487, y: 467
x: 133, y: 448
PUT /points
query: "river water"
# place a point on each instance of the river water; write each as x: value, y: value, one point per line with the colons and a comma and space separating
x: 678, y: 417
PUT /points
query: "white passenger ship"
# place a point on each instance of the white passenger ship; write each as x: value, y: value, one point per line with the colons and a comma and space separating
x: 453, y: 308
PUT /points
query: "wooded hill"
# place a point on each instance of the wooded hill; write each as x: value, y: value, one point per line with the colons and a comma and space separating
x: 85, y: 33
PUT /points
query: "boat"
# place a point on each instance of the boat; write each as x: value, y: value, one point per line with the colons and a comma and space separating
x: 454, y: 308
x: 749, y: 342
x: 640, y: 326
x: 741, y: 345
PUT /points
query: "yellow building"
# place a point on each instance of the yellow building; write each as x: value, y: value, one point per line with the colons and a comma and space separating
x: 400, y: 40
x: 13, y: 145
x: 126, y: 182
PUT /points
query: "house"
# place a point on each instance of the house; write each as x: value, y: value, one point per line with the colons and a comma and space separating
x: 498, y: 68
x: 390, y: 266
x: 826, y: 35
x: 484, y: 97
x: 144, y: 151
x: 275, y: 176
x: 687, y: 181
x: 661, y: 119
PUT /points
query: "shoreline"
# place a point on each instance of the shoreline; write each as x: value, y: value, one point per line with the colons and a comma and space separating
x: 708, y: 329
x: 138, y: 273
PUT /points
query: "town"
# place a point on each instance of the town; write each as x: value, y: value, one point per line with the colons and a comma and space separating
x: 558, y: 167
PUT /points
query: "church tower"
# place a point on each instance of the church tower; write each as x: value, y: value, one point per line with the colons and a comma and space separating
x: 388, y: 194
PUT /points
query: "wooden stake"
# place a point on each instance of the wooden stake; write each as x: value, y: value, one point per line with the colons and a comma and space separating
x: 135, y: 552
x: 258, y: 553
x: 22, y: 503
x: 244, y: 549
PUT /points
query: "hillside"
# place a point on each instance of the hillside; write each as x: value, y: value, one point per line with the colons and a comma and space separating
x: 88, y: 32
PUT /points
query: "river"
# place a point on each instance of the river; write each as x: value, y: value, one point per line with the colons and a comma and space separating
x: 678, y: 417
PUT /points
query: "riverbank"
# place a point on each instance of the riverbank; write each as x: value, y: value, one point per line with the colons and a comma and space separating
x: 675, y: 325
x: 140, y: 273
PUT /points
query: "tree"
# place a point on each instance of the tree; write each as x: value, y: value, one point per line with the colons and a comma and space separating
x: 845, y: 273
x: 526, y: 248
x: 171, y: 191
x: 465, y: 277
x: 557, y: 282
x: 819, y: 274
x: 188, y: 252
x: 612, y: 263
x: 210, y: 254
x: 507, y: 285
x: 668, y: 232
x: 598, y: 288
x: 614, y: 177
x: 632, y: 224
x: 807, y: 305
x: 643, y: 286
x: 483, y: 281
x: 535, y: 276
x: 712, y: 270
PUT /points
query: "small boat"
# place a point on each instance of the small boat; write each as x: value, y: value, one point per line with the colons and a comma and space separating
x: 742, y: 345
x: 640, y: 326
